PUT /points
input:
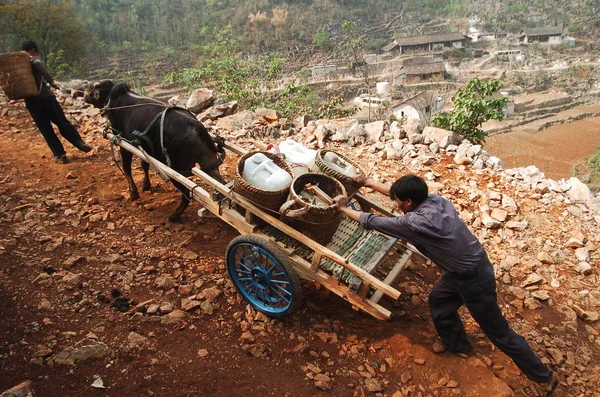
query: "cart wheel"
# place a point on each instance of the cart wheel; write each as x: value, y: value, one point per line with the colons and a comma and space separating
x: 264, y: 276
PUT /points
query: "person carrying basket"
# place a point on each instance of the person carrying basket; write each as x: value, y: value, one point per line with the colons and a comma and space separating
x: 45, y: 109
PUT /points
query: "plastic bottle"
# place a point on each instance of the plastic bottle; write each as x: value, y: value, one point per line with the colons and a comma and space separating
x: 262, y: 173
x: 338, y: 164
x: 300, y: 158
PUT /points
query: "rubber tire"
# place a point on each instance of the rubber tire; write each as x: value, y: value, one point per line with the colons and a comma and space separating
x: 295, y: 288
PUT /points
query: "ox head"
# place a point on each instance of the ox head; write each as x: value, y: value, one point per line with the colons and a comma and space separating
x: 98, y: 93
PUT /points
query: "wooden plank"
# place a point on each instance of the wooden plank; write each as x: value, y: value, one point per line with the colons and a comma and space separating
x: 316, y: 191
x: 367, y: 204
x: 240, y: 151
x: 316, y: 261
x: 366, y: 277
x: 249, y: 218
x: 393, y: 274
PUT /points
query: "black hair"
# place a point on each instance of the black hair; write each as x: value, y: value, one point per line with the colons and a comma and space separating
x: 409, y: 187
x: 28, y: 45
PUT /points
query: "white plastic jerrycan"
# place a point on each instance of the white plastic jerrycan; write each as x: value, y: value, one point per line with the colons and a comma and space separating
x: 262, y: 173
x: 299, y: 157
x: 338, y: 164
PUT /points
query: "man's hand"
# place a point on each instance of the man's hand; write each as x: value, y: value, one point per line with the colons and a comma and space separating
x: 361, y: 180
x: 55, y: 86
x: 341, y: 202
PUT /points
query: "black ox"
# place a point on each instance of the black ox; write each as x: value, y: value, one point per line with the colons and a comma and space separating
x: 185, y: 140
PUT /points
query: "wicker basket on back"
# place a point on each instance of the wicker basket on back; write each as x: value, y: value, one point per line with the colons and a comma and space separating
x: 324, y: 168
x: 318, y: 222
x: 16, y: 77
x: 265, y: 199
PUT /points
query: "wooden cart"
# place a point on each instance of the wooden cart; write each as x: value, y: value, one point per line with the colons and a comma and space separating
x: 266, y: 261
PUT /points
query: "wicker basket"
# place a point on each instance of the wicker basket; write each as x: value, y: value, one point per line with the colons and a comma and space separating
x: 266, y: 199
x: 324, y: 168
x: 319, y: 223
x: 16, y: 77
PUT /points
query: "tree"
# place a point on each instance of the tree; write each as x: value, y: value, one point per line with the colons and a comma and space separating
x: 252, y: 81
x: 473, y: 105
x: 52, y: 25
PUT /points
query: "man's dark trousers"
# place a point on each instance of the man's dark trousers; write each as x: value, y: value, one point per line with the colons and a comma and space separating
x: 47, y: 110
x: 477, y: 291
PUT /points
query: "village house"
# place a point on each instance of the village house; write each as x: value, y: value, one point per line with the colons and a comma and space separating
x: 548, y: 35
x: 477, y: 36
x: 427, y: 43
x: 421, y: 106
x: 420, y: 73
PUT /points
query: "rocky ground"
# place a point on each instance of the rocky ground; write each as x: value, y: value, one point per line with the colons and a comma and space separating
x: 103, y: 295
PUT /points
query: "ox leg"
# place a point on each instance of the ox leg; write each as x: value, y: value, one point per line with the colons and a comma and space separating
x: 176, y: 215
x: 146, y: 186
x: 133, y: 190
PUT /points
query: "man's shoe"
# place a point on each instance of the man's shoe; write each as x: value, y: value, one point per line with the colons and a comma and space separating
x: 84, y: 147
x: 549, y: 387
x: 439, y: 347
x: 62, y: 159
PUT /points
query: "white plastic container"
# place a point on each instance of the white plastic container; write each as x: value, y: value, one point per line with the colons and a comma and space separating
x: 262, y: 173
x: 299, y: 157
x: 383, y: 89
x: 338, y: 164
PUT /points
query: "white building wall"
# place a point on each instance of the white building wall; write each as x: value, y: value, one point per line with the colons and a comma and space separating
x: 555, y: 40
x: 407, y: 111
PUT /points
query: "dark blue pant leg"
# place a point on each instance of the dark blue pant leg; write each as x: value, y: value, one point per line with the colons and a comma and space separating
x: 480, y: 297
x: 57, y: 116
x: 42, y: 120
x: 444, y: 301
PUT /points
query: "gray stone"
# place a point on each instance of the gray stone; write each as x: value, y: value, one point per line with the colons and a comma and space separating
x: 518, y: 225
x: 584, y: 268
x: 533, y: 278
x: 582, y: 254
x: 373, y: 385
x: 397, y: 131
x: 579, y: 192
x: 412, y: 126
x: 499, y: 214
x: 23, y: 389
x: 443, y: 138
x: 489, y: 222
x: 544, y: 257
x: 136, y: 340
x: 71, y: 356
x: 200, y: 99
x: 210, y: 294
x: 174, y: 317
x: 375, y: 130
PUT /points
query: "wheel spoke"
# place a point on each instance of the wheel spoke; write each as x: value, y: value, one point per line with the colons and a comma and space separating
x: 277, y: 292
x: 248, y: 270
x: 283, y: 289
x: 280, y: 282
x: 272, y: 267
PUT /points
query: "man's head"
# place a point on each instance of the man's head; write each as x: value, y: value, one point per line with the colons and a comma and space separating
x: 409, y: 192
x: 29, y: 46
